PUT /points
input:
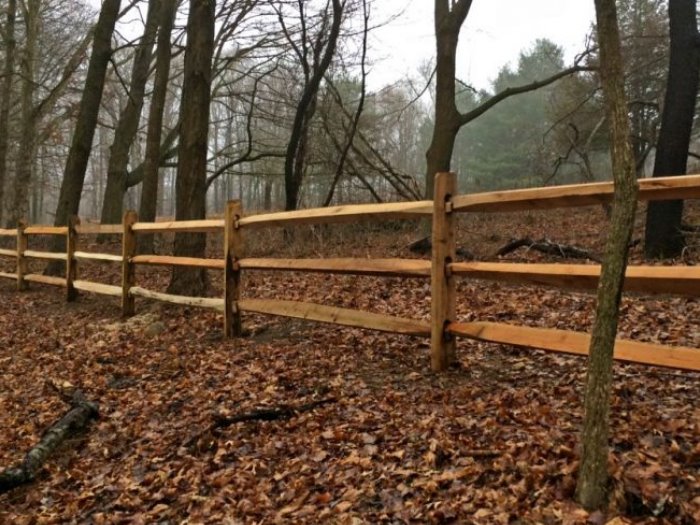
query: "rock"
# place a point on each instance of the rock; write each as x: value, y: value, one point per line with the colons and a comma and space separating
x: 155, y: 329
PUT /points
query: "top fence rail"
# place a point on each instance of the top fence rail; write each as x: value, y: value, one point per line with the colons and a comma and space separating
x: 572, y: 195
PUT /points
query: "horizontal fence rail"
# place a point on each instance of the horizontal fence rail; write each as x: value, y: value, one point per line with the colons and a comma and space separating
x: 200, y: 226
x: 340, y: 214
x: 573, y: 195
x: 442, y: 270
x: 677, y: 280
x: 336, y: 315
x: 350, y: 266
x: 568, y: 342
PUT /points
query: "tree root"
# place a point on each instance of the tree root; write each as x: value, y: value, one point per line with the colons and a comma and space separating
x: 74, y: 421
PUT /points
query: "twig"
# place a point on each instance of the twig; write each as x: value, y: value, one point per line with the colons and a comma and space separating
x: 269, y: 414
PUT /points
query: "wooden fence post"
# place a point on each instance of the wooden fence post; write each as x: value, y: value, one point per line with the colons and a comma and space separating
x: 22, y: 241
x: 233, y: 251
x: 442, y: 283
x: 128, y: 268
x: 71, y: 268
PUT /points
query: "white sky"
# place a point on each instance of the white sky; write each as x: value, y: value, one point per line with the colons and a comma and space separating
x: 494, y: 34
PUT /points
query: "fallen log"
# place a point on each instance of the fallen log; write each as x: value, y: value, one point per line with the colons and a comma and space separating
x: 73, y: 422
x: 269, y: 414
x: 548, y: 247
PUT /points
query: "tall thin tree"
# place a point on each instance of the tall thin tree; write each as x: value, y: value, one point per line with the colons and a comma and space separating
x: 127, y: 126
x: 149, y: 189
x: 592, y: 488
x: 315, y: 58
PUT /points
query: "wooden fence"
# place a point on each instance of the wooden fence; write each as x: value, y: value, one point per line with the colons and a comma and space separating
x: 442, y: 270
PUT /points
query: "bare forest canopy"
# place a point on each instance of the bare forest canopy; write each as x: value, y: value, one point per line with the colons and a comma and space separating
x: 352, y: 144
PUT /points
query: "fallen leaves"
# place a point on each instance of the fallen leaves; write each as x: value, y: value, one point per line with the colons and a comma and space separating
x: 494, y: 441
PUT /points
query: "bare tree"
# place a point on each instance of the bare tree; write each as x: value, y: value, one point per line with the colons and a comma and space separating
x: 449, y: 18
x: 149, y: 189
x: 33, y: 108
x: 314, y: 53
x: 127, y: 126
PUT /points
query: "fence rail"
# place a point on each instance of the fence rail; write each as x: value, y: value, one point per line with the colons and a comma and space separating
x: 441, y: 269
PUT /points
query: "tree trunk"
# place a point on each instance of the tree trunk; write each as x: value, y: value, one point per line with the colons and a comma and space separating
x: 149, y: 188
x: 663, y: 237
x: 113, y: 202
x: 8, y: 74
x: 592, y: 488
x: 295, y: 154
x: 27, y: 141
x: 448, y: 22
x: 191, y: 190
x: 81, y: 144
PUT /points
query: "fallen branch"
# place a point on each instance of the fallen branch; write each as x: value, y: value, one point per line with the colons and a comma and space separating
x: 263, y: 414
x: 690, y: 228
x: 269, y: 414
x: 74, y: 421
x: 548, y: 247
x: 424, y: 246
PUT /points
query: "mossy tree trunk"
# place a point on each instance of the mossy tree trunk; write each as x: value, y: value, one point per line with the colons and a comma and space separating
x: 592, y: 488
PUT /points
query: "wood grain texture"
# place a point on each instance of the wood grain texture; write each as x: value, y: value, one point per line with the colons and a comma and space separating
x: 45, y: 279
x: 168, y: 260
x: 350, y: 266
x: 571, y: 195
x: 89, y: 256
x: 128, y: 269
x: 336, y: 315
x: 578, y: 343
x: 233, y: 251
x: 194, y: 226
x: 339, y: 214
x: 98, y: 288
x: 36, y: 254
x: 46, y: 230
x: 200, y: 302
x: 96, y: 229
x: 678, y: 280
x: 442, y: 283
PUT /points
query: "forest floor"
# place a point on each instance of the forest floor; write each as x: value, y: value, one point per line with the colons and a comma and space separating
x: 494, y: 440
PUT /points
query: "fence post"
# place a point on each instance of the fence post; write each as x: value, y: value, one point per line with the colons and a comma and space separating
x: 71, y: 268
x: 233, y: 250
x: 22, y: 241
x: 442, y: 284
x: 128, y: 270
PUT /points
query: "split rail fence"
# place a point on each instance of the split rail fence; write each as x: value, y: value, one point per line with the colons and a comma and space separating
x: 442, y: 271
